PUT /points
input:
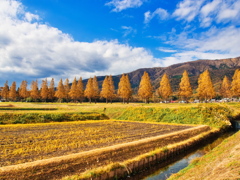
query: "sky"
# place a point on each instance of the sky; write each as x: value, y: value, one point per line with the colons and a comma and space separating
x: 71, y: 38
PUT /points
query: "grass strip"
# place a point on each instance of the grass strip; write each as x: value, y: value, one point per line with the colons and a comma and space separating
x: 26, y: 118
x: 26, y: 109
x: 212, y: 115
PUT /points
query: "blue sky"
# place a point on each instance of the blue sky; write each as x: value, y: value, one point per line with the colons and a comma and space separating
x: 68, y: 38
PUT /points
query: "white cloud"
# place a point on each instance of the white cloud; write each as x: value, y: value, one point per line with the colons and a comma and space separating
x: 160, y: 13
x: 188, y: 9
x: 191, y: 56
x: 166, y: 50
x: 207, y: 12
x: 229, y: 11
x: 220, y: 11
x: 30, y: 50
x: 120, y: 5
x: 128, y: 30
x: 31, y: 17
x: 220, y: 40
x: 216, y: 43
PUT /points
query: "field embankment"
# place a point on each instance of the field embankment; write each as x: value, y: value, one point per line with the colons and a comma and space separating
x: 45, y: 117
x: 223, y: 162
x: 212, y: 115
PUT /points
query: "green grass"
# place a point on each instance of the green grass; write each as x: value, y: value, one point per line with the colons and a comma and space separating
x: 215, y: 115
x: 212, y: 115
x: 26, y: 118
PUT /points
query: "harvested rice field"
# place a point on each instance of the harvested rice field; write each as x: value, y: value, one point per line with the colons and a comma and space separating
x: 31, y: 142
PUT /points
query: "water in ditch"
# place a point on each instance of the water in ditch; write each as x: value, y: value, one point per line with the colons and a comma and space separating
x: 163, y: 173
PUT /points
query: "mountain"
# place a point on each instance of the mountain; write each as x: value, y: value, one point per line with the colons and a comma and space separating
x: 217, y: 68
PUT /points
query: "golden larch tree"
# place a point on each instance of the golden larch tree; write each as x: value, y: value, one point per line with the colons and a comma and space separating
x: 112, y: 94
x: 80, y: 89
x: 225, y: 89
x: 23, y: 92
x: 34, y: 94
x: 89, y: 91
x: 51, y: 90
x: 165, y: 89
x: 67, y: 89
x: 60, y: 93
x: 5, y: 91
x: 44, y: 90
x: 185, y: 89
x: 105, y: 92
x: 205, y: 88
x: 145, y: 90
x: 235, y: 85
x: 96, y: 89
x: 74, y: 90
x: 13, y: 92
x: 124, y: 88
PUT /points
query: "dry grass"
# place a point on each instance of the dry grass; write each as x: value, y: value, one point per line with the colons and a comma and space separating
x: 223, y: 162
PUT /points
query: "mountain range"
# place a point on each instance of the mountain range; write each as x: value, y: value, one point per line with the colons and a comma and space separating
x: 217, y: 68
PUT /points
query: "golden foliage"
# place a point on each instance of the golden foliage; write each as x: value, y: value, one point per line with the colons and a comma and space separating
x: 74, y: 90
x: 80, y: 89
x: 185, y: 89
x: 60, y: 93
x: 89, y: 91
x: 226, y: 88
x: 5, y: 91
x: 235, y: 86
x: 205, y: 87
x: 165, y: 89
x: 124, y: 88
x: 66, y: 89
x: 96, y: 92
x: 108, y: 90
x: 23, y: 92
x: 13, y: 92
x: 145, y: 90
x: 44, y: 90
x: 34, y: 90
x: 51, y: 90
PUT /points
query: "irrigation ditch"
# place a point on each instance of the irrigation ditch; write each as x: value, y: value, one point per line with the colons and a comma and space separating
x: 180, y: 162
x: 136, y: 169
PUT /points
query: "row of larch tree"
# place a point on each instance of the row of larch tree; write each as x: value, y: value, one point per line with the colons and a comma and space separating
x: 77, y: 93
